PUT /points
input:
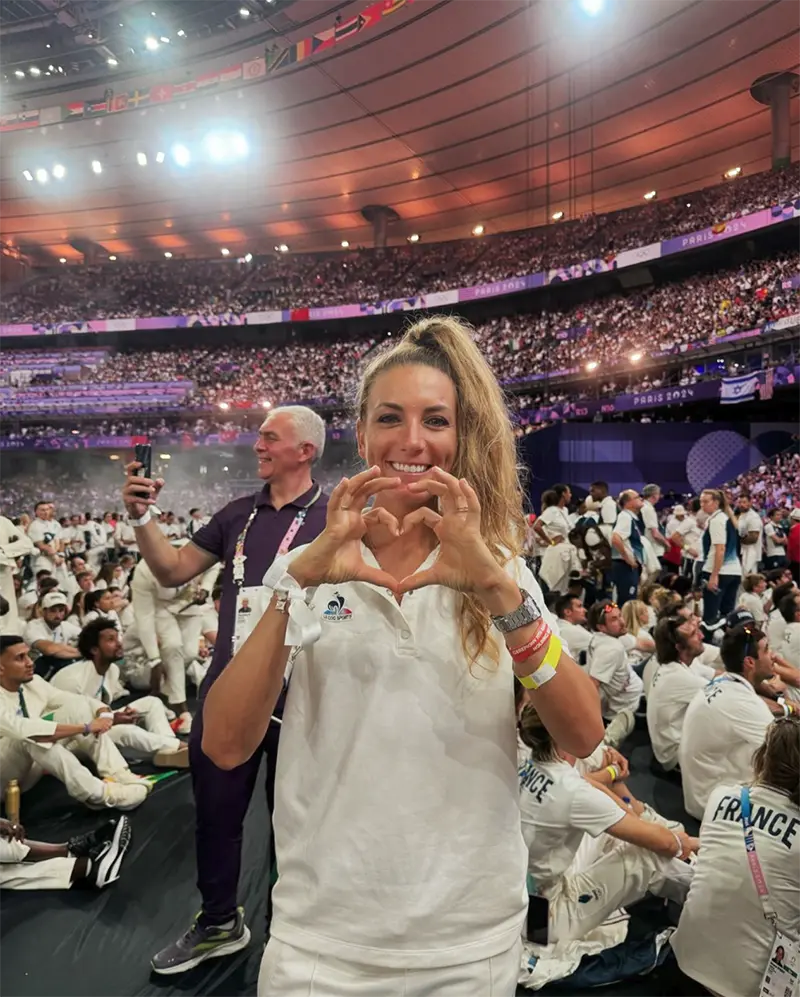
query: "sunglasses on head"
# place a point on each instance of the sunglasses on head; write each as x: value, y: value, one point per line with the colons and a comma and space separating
x: 611, y: 605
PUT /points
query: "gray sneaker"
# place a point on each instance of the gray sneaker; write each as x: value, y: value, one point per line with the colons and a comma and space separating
x: 202, y: 942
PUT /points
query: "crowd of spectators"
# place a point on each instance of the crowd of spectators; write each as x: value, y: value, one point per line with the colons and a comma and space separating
x: 182, y: 287
x: 661, y: 320
x: 774, y: 483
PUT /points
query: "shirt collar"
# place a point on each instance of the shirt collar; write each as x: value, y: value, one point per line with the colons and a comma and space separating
x: 263, y: 497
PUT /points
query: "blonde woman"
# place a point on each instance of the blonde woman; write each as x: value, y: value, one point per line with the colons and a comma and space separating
x: 400, y: 856
x: 722, y: 569
x: 636, y: 617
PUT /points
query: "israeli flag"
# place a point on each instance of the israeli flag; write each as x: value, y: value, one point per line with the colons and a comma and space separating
x: 738, y: 389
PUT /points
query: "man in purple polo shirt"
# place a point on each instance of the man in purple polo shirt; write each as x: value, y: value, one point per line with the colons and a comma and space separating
x: 246, y: 535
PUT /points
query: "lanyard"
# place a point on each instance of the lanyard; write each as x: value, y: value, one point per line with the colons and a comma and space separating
x: 22, y: 705
x: 756, y: 871
x: 239, y: 556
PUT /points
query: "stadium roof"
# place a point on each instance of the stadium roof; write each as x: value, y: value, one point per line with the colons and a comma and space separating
x: 453, y: 113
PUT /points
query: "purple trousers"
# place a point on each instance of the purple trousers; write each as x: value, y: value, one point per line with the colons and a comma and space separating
x: 221, y: 801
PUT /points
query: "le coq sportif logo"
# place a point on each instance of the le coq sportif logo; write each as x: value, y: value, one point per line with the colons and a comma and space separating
x: 336, y: 611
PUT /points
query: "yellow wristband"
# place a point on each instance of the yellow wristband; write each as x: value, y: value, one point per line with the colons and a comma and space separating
x: 612, y: 772
x: 547, y: 669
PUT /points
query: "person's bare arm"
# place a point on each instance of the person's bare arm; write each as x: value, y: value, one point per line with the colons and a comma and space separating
x: 171, y: 566
x: 54, y: 649
x: 239, y: 704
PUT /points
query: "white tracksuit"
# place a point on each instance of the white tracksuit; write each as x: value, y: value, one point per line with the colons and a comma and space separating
x: 10, y: 550
x: 135, y: 741
x: 161, y: 631
x: 17, y: 874
x: 26, y: 760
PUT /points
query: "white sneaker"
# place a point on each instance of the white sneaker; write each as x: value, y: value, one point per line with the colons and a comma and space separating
x: 126, y: 778
x: 123, y: 796
x: 185, y: 725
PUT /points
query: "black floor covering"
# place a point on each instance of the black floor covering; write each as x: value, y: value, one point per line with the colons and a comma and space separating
x: 60, y: 944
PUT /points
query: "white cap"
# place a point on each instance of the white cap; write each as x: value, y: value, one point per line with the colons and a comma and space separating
x: 795, y: 514
x: 679, y: 511
x: 54, y: 599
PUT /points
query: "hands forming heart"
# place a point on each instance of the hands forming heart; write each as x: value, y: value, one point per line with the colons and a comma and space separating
x: 464, y: 561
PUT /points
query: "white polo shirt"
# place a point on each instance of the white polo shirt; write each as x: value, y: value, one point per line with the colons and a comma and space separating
x: 723, y: 940
x: 724, y: 724
x: 608, y: 516
x: 789, y: 648
x: 776, y: 628
x: 578, y: 638
x: 83, y: 679
x: 44, y: 531
x: 397, y: 799
x: 674, y: 687
x: 750, y: 522
x: 650, y: 520
x: 753, y: 604
x: 771, y: 549
x: 558, y: 808
x: 556, y: 522
x: 692, y: 535
x: 705, y: 666
x: 64, y: 633
x: 620, y: 686
x: 717, y: 527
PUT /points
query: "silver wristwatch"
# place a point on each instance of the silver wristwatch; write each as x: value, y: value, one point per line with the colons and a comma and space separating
x: 527, y: 613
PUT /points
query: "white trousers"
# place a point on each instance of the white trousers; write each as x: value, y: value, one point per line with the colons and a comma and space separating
x: 290, y: 972
x: 620, y: 875
x: 170, y: 648
x: 27, y: 761
x: 16, y: 874
x: 10, y: 623
x: 152, y: 735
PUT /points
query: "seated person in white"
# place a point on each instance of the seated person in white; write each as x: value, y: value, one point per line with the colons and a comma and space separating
x: 679, y: 641
x: 91, y: 859
x: 726, y: 721
x: 706, y: 665
x: 142, y: 729
x: 723, y: 939
x: 619, y: 686
x: 637, y: 638
x: 789, y: 648
x: 559, y: 808
x: 776, y: 622
x: 31, y: 744
x: 105, y: 603
x: 751, y: 598
x: 572, y: 616
x: 52, y: 637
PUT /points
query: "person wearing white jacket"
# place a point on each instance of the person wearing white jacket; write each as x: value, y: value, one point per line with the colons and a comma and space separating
x: 142, y: 729
x: 14, y: 543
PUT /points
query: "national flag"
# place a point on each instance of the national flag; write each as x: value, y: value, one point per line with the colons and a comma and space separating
x: 768, y: 387
x: 255, y: 68
x: 181, y: 89
x: 348, y: 28
x: 735, y: 390
x: 323, y: 40
x: 119, y: 102
x: 286, y: 57
x: 20, y: 120
x: 303, y: 49
x: 390, y: 6
x: 94, y: 107
x: 139, y: 97
x: 230, y: 73
x: 207, y: 80
x: 160, y: 93
x: 75, y: 110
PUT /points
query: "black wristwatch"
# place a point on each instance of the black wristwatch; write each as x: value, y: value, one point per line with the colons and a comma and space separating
x: 527, y: 612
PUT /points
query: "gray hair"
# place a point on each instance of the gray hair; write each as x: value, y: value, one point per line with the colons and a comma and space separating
x: 309, y: 427
x: 649, y: 490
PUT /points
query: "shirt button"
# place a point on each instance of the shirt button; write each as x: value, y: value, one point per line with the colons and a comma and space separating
x: 405, y: 634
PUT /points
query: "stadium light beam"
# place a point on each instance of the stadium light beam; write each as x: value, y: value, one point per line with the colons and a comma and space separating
x: 160, y: 157
x: 733, y: 172
x: 62, y: 259
x: 42, y: 176
x: 113, y: 259
x: 635, y: 357
x: 97, y: 166
x: 141, y: 158
x: 592, y: 7
x: 225, y: 251
x: 478, y: 229
x: 112, y: 62
x: 557, y: 216
x: 345, y: 244
x: 650, y: 195
x: 592, y: 365
x: 414, y: 237
x: 150, y: 43
x: 28, y: 175
x: 168, y: 255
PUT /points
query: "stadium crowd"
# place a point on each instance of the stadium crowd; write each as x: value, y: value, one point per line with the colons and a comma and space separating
x: 183, y: 287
